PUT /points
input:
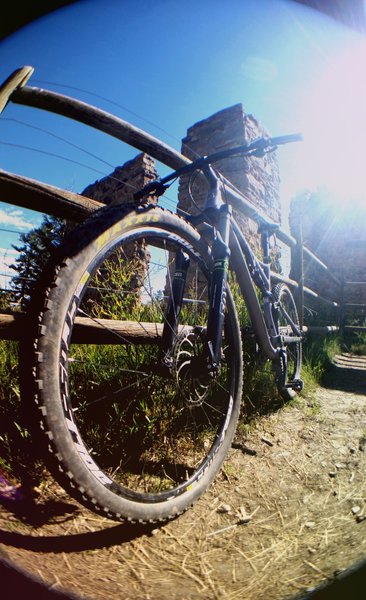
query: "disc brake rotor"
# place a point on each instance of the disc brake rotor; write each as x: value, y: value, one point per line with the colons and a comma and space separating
x: 192, y: 383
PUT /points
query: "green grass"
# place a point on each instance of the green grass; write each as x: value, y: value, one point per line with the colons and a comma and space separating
x: 317, y: 356
x: 15, y: 440
x: 260, y: 395
x: 358, y: 345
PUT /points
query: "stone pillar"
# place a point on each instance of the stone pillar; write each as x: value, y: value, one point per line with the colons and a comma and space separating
x: 338, y: 236
x: 128, y: 269
x: 120, y: 185
x: 256, y: 178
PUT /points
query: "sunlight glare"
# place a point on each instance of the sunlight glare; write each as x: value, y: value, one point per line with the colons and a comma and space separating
x: 333, y: 120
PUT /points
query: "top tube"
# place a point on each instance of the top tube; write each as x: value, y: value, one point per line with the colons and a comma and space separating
x: 258, y: 147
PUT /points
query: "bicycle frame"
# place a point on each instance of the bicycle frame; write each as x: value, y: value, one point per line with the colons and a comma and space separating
x: 228, y: 246
x: 250, y: 272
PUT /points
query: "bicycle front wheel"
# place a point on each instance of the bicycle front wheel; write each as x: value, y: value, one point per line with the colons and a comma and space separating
x: 129, y: 435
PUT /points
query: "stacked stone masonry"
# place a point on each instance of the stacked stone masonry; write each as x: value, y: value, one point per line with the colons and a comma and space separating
x: 118, y: 188
x: 257, y: 178
x: 338, y: 236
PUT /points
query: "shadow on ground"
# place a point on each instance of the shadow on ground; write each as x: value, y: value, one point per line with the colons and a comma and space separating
x: 348, y: 585
x: 347, y: 374
x: 17, y: 583
x: 120, y: 534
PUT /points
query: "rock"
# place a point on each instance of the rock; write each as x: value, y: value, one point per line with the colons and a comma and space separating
x: 243, y: 516
x: 332, y: 473
x: 360, y: 518
x: 224, y: 509
x: 353, y: 450
x: 362, y: 444
x: 309, y: 524
x: 266, y: 441
x: 258, y: 180
x: 355, y: 509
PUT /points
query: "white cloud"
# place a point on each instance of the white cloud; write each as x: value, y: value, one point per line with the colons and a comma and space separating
x: 14, y: 219
x: 7, y: 257
x: 10, y: 252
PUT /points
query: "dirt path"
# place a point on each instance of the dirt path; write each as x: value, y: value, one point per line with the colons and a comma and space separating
x: 287, y: 512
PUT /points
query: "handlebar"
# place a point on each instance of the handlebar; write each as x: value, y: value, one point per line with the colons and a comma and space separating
x: 258, y: 148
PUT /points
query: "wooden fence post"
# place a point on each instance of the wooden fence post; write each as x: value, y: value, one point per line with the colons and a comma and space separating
x: 341, y: 307
x: 297, y: 271
x: 16, y: 80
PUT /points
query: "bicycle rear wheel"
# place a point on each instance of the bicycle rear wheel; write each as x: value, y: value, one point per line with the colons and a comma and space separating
x: 289, y: 370
x: 130, y: 435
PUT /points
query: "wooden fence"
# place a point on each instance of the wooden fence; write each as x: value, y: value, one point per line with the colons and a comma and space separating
x: 57, y: 202
x: 356, y: 308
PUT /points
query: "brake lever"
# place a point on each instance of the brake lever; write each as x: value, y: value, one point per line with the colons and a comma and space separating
x: 154, y: 188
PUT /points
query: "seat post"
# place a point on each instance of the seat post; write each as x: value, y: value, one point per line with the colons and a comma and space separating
x: 266, y: 230
x: 265, y: 246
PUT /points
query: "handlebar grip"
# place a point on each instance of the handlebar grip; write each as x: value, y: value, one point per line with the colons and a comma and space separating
x: 286, y: 139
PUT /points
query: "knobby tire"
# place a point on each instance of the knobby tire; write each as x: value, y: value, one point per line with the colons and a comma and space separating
x: 124, y: 436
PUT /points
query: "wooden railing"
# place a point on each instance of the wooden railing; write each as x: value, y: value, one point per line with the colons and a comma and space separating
x: 358, y: 309
x: 35, y: 195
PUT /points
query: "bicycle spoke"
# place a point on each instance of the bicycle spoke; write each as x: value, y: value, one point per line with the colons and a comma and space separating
x: 148, y: 423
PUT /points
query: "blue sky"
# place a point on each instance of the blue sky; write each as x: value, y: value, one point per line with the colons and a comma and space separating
x: 167, y: 64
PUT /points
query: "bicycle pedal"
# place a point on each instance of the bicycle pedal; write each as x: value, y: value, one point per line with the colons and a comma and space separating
x: 297, y: 385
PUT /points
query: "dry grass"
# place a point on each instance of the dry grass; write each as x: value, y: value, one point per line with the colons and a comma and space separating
x: 272, y: 525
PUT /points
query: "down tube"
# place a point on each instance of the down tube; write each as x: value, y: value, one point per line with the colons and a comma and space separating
x: 247, y: 288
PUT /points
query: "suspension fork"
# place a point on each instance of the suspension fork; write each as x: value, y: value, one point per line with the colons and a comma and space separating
x: 218, y: 288
x: 174, y: 307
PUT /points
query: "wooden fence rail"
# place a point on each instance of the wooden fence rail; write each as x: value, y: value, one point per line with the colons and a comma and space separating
x: 35, y: 195
x: 353, y: 307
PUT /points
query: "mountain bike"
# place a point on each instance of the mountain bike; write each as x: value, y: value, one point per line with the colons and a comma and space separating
x: 137, y: 349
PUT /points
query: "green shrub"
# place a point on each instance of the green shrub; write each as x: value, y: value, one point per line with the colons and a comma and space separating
x: 148, y: 411
x: 317, y: 356
x: 358, y: 341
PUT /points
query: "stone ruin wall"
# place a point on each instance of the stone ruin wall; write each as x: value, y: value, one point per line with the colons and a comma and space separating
x: 257, y: 178
x: 120, y: 185
x: 338, y: 237
x: 118, y: 188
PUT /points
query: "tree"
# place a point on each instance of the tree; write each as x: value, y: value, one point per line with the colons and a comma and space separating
x: 38, y: 245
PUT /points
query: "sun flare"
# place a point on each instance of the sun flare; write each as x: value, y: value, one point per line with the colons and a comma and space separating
x: 333, y: 120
